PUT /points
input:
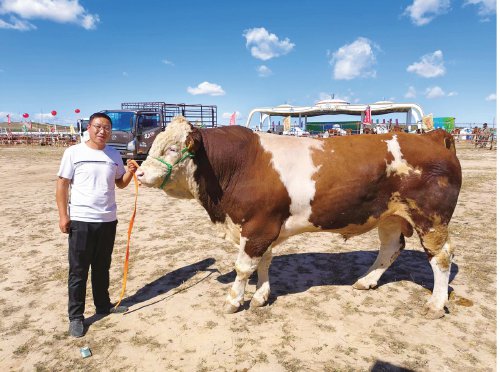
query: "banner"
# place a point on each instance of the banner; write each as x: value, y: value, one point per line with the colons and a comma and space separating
x: 286, y: 124
x: 427, y: 122
x: 368, y: 116
x: 447, y: 123
x: 232, y: 119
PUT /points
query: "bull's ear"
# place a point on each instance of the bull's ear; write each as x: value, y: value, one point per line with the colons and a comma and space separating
x: 193, y: 140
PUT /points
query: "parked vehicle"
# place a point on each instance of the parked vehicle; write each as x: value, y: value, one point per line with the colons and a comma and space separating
x: 81, y: 127
x: 136, y: 124
x: 296, y: 131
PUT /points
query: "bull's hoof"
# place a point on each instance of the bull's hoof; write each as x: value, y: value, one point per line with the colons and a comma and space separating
x: 257, y: 302
x: 361, y: 284
x: 229, y: 308
x: 430, y: 312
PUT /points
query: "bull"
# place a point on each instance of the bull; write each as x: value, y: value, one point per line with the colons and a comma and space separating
x: 262, y: 188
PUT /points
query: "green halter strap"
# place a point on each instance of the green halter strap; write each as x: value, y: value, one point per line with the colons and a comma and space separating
x: 185, y: 154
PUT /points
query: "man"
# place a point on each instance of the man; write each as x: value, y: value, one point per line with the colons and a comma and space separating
x: 91, y: 169
x: 485, y: 129
x: 484, y: 135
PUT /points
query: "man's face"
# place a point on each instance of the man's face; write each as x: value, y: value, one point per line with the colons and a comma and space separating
x: 99, y: 131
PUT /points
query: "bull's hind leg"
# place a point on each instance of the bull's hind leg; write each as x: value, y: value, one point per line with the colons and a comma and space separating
x: 437, y: 244
x: 391, y: 243
x: 261, y: 295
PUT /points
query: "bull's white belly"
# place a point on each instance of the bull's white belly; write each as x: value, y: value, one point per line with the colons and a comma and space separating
x: 294, y: 225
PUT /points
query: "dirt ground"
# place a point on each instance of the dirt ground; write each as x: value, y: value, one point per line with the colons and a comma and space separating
x: 180, y: 272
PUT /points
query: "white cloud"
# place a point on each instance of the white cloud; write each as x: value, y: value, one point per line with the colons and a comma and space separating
x: 17, y: 24
x: 491, y: 97
x: 167, y: 62
x: 486, y: 7
x: 434, y: 92
x: 430, y: 65
x: 207, y: 88
x: 354, y: 60
x: 61, y: 11
x: 452, y: 94
x: 13, y: 116
x: 411, y: 93
x: 264, y: 71
x: 89, y: 21
x: 422, y: 12
x: 264, y: 45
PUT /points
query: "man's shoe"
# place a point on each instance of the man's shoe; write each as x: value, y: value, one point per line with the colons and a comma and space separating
x: 76, y: 328
x: 111, y: 310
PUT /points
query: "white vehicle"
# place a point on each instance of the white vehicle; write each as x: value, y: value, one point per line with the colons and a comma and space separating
x: 81, y: 125
x: 339, y: 129
x: 414, y: 114
x: 381, y: 128
x: 296, y: 131
x: 466, y: 134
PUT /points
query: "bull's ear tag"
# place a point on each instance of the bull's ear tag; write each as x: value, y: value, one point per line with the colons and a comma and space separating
x: 190, y: 144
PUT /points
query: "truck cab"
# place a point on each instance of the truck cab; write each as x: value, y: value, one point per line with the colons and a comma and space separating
x: 133, y: 131
x: 136, y: 125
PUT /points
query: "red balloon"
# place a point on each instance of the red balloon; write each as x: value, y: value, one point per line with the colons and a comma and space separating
x: 53, y: 112
x: 26, y: 115
x: 77, y: 111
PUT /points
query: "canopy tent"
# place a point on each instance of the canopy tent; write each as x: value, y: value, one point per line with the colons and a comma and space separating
x: 414, y: 112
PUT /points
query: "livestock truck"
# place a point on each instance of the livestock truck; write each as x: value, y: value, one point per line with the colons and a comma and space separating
x: 137, y: 124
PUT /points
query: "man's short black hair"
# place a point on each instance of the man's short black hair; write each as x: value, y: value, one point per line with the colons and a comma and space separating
x: 101, y: 115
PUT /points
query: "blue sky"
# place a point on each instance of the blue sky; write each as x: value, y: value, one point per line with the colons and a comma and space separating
x: 92, y: 55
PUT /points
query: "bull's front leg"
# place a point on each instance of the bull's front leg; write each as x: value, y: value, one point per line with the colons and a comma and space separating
x: 244, y: 267
x: 255, y: 251
x: 263, y: 291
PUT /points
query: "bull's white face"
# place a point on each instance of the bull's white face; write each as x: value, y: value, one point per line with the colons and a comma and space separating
x: 167, y: 148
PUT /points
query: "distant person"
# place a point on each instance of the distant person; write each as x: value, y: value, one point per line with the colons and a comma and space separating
x: 484, y: 135
x: 475, y: 134
x: 91, y: 170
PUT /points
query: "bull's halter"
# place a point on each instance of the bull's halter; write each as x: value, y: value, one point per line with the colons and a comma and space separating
x: 185, y: 154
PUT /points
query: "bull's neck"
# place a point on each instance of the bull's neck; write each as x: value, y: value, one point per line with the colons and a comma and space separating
x: 211, y: 188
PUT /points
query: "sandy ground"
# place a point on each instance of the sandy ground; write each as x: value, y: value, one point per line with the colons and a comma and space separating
x: 180, y: 273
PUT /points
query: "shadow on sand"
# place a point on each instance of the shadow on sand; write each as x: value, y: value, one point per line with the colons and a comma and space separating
x: 295, y: 273
x: 164, y: 284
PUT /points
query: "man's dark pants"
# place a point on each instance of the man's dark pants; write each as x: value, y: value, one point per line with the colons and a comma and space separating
x: 90, y: 244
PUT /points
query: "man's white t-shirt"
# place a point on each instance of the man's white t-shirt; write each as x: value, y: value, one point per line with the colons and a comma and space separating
x: 92, y: 174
